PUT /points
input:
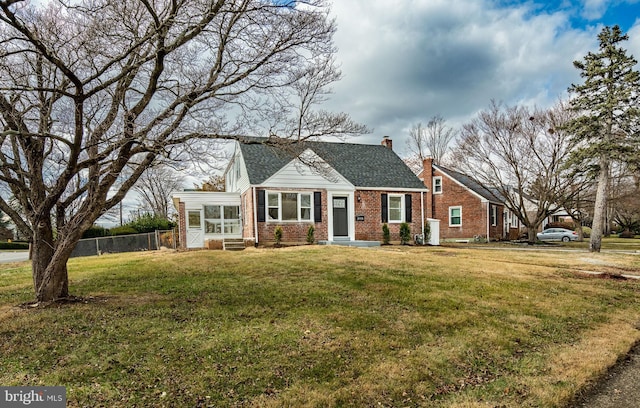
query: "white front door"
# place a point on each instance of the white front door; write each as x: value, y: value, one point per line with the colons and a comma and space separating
x: 195, y: 230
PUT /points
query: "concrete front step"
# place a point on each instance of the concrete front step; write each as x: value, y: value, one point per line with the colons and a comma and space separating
x: 233, y: 244
x: 361, y: 244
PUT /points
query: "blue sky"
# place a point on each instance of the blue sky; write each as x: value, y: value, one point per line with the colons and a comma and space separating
x: 404, y: 61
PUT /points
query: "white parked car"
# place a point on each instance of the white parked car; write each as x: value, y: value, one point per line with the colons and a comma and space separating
x: 557, y: 234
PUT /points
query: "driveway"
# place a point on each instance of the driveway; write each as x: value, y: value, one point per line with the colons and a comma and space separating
x: 13, y: 256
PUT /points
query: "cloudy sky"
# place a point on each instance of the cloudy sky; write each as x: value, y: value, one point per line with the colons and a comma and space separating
x: 404, y: 61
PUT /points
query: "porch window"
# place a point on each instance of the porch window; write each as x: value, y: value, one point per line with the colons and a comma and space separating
x: 231, y: 219
x: 289, y: 206
x: 455, y: 216
x: 212, y: 219
x: 193, y: 219
x: 220, y: 219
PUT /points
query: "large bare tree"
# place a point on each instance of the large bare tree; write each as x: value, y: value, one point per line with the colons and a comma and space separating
x: 433, y: 140
x: 89, y: 88
x: 518, y: 154
x: 154, y: 188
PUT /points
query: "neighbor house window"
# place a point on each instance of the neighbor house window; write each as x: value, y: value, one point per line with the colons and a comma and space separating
x: 395, y: 208
x: 514, y: 220
x: 437, y: 185
x: 455, y: 216
x: 289, y: 206
x: 494, y: 215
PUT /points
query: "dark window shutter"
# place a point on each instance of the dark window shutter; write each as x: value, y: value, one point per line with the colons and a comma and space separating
x: 261, y: 206
x: 317, y: 206
x: 385, y: 208
x: 407, y: 207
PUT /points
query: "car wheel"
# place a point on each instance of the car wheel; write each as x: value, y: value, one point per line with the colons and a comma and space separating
x: 565, y: 239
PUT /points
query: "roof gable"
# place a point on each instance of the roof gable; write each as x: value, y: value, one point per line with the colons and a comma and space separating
x: 307, y: 169
x: 373, y: 166
x: 489, y: 194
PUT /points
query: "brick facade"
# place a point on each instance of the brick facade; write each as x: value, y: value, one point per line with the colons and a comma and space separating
x: 367, y: 205
x: 476, y: 212
x: 182, y: 226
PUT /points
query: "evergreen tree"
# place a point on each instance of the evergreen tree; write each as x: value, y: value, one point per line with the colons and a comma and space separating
x: 605, y: 129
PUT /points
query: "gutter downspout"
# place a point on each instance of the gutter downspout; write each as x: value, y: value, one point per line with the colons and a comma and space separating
x: 422, y: 216
x: 255, y: 216
x: 488, y: 220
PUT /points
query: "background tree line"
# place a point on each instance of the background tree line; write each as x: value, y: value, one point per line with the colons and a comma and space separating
x: 581, y: 155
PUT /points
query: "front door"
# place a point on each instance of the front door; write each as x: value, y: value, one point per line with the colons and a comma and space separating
x: 195, y: 232
x: 340, y: 219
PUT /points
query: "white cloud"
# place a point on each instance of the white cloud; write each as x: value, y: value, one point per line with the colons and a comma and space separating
x: 404, y: 61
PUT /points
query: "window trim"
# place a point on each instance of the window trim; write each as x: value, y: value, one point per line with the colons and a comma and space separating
x: 225, y: 223
x: 434, y: 184
x: 454, y: 207
x: 401, y: 209
x: 200, y: 217
x: 299, y: 206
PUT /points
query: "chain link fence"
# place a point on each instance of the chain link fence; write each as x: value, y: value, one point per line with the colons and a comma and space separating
x: 125, y: 243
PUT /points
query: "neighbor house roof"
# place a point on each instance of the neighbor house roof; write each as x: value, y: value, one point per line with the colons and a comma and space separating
x: 373, y: 166
x: 490, y: 194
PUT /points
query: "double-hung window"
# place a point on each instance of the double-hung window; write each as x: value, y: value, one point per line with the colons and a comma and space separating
x: 455, y: 216
x: 437, y: 185
x: 289, y: 206
x: 494, y: 215
x: 395, y: 208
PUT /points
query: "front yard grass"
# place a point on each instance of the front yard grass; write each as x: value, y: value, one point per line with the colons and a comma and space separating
x: 323, y: 327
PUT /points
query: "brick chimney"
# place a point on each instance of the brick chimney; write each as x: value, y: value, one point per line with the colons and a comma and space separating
x: 427, y: 171
x: 427, y: 177
x: 387, y: 142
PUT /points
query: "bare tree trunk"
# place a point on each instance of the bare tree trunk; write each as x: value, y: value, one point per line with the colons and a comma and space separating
x: 50, y: 279
x: 532, y: 235
x: 600, y: 208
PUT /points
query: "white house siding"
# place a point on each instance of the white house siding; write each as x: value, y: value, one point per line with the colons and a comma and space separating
x: 195, y: 201
x: 300, y: 175
x: 235, y: 182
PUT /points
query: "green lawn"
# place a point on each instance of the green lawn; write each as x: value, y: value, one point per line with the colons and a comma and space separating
x: 323, y: 327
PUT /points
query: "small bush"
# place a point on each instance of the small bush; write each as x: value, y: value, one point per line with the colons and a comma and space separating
x: 311, y: 234
x: 586, y: 232
x: 386, y: 235
x: 627, y: 234
x: 405, y: 233
x: 96, y: 231
x: 427, y: 232
x: 124, y: 230
x: 14, y: 245
x: 150, y: 223
x: 277, y: 235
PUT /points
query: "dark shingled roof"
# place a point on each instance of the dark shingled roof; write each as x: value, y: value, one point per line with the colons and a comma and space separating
x: 362, y: 165
x: 490, y: 194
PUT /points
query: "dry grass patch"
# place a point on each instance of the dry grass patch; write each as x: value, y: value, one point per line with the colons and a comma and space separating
x: 323, y: 327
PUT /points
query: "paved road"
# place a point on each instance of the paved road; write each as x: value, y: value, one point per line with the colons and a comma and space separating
x: 13, y: 256
x: 619, y: 389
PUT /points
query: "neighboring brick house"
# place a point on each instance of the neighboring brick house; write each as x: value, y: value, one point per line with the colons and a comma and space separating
x: 465, y: 208
x: 345, y: 190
